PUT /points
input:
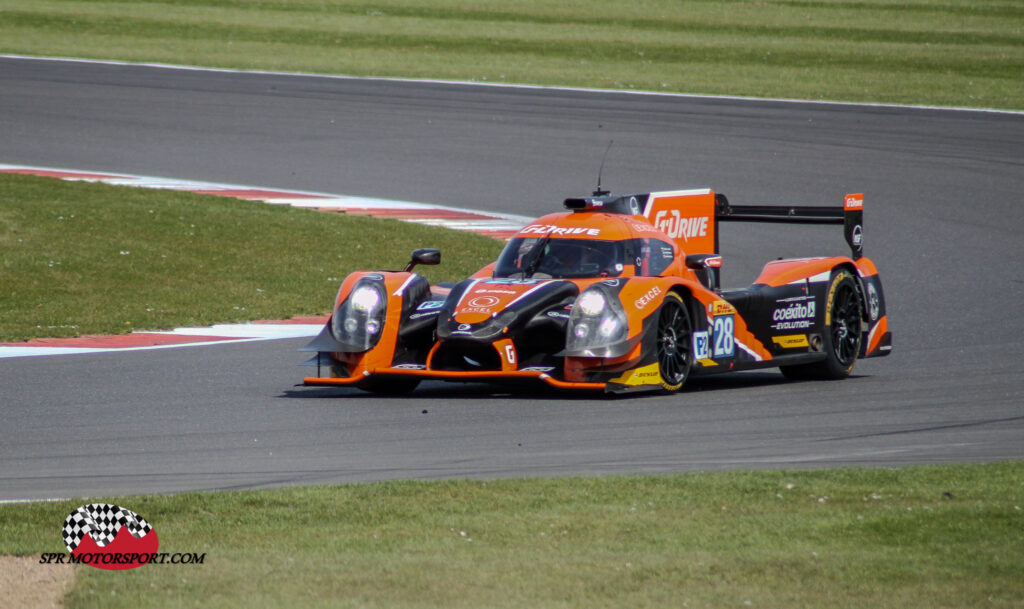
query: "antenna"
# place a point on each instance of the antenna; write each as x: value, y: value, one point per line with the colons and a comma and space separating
x: 599, y: 192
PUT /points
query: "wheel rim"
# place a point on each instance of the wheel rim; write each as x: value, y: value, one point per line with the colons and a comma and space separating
x: 674, y: 343
x: 846, y: 325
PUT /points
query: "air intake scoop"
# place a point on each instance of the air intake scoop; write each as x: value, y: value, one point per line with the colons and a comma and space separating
x: 630, y: 205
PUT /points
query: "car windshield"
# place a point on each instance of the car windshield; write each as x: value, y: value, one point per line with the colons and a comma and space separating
x: 547, y: 258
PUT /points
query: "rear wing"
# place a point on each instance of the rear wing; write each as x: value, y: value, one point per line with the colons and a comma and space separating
x: 851, y: 215
x: 691, y: 217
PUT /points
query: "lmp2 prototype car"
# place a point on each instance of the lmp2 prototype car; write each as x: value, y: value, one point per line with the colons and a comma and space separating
x: 619, y: 293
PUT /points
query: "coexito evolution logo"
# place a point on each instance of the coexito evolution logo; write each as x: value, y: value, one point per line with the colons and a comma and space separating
x: 108, y: 536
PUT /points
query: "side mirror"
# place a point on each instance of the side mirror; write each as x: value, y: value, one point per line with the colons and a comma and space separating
x: 426, y: 256
x: 706, y: 267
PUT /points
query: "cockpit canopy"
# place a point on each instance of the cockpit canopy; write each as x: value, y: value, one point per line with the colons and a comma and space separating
x: 574, y: 258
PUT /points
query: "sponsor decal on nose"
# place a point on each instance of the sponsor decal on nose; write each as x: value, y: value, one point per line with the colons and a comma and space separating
x: 483, y: 301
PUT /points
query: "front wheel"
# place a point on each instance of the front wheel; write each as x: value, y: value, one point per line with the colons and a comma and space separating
x: 675, y: 333
x: 842, y: 336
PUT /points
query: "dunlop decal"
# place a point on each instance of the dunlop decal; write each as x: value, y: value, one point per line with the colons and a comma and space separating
x: 792, y: 341
x: 645, y: 375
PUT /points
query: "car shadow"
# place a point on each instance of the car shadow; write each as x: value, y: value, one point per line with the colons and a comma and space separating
x: 435, y: 390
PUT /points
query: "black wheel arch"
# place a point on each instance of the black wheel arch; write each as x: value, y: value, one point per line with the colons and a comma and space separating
x: 859, y: 283
x: 693, y: 306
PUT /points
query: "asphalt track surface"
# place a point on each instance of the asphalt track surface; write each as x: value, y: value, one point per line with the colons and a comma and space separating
x: 944, y: 222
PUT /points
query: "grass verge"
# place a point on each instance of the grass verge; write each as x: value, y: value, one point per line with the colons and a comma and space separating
x: 939, y: 52
x: 80, y: 258
x: 931, y: 537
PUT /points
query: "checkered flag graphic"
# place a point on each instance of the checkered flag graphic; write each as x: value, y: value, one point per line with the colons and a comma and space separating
x: 101, y: 521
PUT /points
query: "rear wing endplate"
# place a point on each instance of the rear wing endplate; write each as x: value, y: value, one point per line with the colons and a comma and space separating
x: 851, y: 215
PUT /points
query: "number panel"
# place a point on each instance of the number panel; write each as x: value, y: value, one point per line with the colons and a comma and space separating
x: 724, y: 336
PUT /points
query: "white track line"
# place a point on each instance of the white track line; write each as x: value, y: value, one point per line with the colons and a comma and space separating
x: 481, y: 222
x: 473, y: 83
x: 219, y: 334
x: 294, y: 198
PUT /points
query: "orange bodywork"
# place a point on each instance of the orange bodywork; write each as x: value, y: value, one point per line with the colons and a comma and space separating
x: 776, y: 326
x: 686, y: 216
x: 781, y: 272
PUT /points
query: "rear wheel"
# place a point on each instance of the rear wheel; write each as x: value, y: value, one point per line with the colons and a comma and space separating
x: 842, y: 336
x: 675, y: 333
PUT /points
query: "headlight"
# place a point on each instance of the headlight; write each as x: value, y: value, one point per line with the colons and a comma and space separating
x: 597, y: 325
x: 592, y: 302
x: 359, y: 320
x: 365, y: 299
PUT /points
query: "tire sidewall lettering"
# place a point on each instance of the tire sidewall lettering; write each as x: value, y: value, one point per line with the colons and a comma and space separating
x: 830, y: 298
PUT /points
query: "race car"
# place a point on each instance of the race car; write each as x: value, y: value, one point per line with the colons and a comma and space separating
x: 617, y: 293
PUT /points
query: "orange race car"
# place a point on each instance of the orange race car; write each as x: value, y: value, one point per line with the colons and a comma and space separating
x: 619, y: 293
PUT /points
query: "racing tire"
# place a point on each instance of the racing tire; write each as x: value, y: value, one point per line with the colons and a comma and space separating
x: 675, y: 338
x: 842, y: 337
x: 389, y: 386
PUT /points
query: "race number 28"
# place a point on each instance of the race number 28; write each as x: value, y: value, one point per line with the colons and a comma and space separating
x: 724, y: 332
